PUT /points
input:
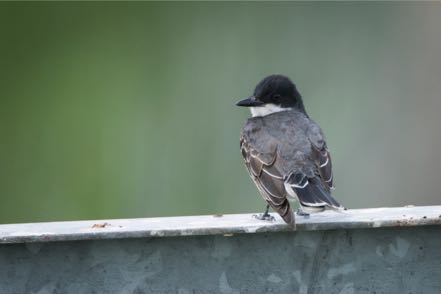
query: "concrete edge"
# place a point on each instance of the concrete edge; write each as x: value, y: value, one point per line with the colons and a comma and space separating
x: 228, y: 224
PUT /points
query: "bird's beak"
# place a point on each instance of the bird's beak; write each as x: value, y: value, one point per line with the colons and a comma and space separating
x: 249, y: 102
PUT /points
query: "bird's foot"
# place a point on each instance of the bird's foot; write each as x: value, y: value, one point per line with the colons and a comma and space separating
x: 300, y: 212
x: 264, y: 216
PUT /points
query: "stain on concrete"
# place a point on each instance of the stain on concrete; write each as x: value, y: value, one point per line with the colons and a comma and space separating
x: 400, y: 247
x: 342, y: 270
x: 183, y: 291
x: 274, y: 279
x: 303, y: 289
x: 379, y: 251
x: 348, y: 289
x: 224, y: 286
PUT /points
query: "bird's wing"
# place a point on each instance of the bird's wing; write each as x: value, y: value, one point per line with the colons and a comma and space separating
x: 263, y: 169
x: 313, y: 190
x: 320, y: 155
x: 322, y: 159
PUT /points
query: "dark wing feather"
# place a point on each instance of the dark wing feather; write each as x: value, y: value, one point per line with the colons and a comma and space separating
x: 311, y: 192
x: 322, y: 159
x: 320, y: 155
x: 269, y: 181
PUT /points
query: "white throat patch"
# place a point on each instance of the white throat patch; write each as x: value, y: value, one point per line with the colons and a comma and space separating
x: 266, y: 109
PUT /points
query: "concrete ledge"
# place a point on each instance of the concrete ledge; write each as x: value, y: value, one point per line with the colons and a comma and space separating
x: 216, y: 224
x: 329, y: 253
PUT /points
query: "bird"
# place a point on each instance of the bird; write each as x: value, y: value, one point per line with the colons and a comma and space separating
x: 285, y: 151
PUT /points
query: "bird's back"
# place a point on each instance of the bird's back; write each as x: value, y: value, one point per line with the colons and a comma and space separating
x: 286, y: 131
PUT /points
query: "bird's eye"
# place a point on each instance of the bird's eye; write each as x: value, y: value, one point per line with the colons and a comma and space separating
x: 276, y: 97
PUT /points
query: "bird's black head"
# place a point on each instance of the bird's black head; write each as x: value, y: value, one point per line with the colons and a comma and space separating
x: 274, y: 91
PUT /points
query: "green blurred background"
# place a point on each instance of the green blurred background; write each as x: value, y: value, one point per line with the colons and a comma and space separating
x: 115, y: 110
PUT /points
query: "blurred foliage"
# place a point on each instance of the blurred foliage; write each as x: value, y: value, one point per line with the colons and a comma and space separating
x: 111, y: 110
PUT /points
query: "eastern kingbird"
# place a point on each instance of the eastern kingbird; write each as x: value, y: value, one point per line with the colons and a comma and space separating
x: 285, y: 151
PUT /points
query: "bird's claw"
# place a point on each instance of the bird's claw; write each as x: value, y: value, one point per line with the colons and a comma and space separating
x: 302, y: 213
x: 264, y: 217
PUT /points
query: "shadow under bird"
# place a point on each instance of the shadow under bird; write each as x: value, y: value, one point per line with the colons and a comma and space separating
x: 285, y: 151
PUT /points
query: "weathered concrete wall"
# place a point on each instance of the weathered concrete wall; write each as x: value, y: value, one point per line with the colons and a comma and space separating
x: 377, y: 260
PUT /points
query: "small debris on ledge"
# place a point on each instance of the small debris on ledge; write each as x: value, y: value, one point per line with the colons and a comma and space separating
x: 100, y: 226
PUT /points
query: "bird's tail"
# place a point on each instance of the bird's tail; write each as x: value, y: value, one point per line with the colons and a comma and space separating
x: 315, y: 195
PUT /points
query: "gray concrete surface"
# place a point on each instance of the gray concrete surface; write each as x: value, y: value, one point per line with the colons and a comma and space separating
x: 405, y: 258
x: 385, y: 260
